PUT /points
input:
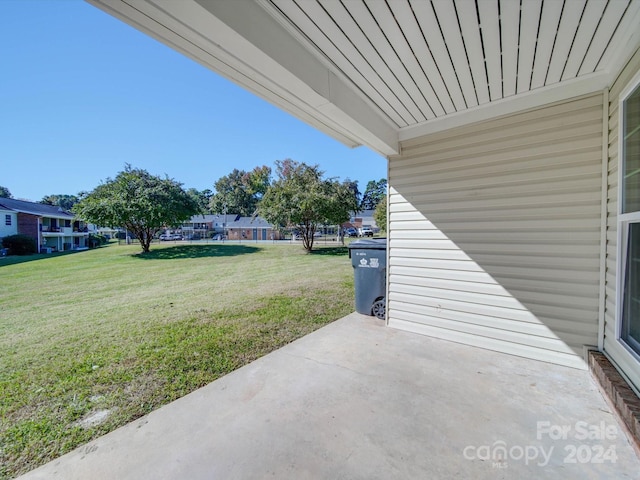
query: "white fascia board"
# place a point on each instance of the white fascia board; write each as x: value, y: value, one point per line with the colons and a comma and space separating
x: 350, y: 112
x: 244, y: 43
x: 586, y: 84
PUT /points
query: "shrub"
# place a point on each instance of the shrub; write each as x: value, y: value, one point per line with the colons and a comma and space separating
x: 96, y: 240
x: 19, y: 244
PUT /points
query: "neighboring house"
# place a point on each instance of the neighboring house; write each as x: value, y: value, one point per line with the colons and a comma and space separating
x: 53, y: 228
x: 251, y: 228
x: 8, y: 222
x: 358, y: 219
x: 364, y: 217
x: 512, y: 134
x: 206, y: 226
x: 107, y: 232
x: 234, y: 226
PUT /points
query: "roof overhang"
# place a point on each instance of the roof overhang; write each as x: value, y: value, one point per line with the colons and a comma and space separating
x: 376, y: 73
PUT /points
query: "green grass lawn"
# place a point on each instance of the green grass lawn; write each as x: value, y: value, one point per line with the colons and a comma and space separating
x: 110, y: 330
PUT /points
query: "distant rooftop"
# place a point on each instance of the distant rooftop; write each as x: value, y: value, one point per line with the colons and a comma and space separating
x: 40, y: 209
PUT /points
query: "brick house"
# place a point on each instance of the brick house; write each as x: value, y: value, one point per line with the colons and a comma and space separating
x: 249, y: 228
x: 53, y: 228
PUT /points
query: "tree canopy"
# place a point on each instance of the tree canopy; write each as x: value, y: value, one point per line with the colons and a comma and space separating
x: 373, y: 194
x: 202, y: 198
x: 65, y: 202
x: 300, y: 198
x: 142, y: 203
x: 355, y: 191
x: 240, y: 191
x: 380, y: 214
x: 5, y: 193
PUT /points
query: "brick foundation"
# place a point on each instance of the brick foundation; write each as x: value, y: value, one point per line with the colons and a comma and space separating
x: 624, y: 400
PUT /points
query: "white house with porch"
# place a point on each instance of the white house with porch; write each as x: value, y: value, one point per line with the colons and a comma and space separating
x: 51, y: 227
x: 8, y: 222
x: 512, y: 132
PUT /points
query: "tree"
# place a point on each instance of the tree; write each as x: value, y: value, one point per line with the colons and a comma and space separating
x: 373, y: 194
x: 300, y: 198
x: 142, y: 203
x: 355, y: 191
x: 380, y: 214
x: 66, y: 202
x: 5, y: 193
x: 202, y: 198
x: 240, y: 191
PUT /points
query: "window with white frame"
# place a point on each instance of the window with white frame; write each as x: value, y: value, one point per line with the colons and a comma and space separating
x: 629, y: 222
x: 7, y: 219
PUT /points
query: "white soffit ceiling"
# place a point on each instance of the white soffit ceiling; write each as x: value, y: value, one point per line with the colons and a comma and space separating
x: 420, y: 60
x: 378, y: 71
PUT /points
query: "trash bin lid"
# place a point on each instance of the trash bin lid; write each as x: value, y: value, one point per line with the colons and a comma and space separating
x: 369, y: 243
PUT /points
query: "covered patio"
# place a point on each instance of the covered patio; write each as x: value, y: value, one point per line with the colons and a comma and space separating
x: 504, y: 124
x: 356, y: 399
x: 511, y: 130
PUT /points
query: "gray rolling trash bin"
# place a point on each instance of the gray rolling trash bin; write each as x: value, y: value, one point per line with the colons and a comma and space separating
x: 369, y: 261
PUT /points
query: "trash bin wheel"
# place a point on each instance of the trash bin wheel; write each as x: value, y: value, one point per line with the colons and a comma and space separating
x: 379, y: 308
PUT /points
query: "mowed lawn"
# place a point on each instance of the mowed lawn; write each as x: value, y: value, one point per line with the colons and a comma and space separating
x: 89, y: 341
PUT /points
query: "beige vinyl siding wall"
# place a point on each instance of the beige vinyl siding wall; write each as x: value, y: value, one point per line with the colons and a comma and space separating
x: 625, y: 361
x: 495, y: 233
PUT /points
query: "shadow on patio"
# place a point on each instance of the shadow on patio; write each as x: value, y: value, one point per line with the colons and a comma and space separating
x: 358, y: 400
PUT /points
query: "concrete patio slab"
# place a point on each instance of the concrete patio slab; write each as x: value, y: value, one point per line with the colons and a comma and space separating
x: 358, y: 400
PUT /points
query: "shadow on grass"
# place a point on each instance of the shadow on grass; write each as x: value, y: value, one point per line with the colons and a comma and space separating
x: 196, y: 251
x: 330, y: 251
x: 16, y: 259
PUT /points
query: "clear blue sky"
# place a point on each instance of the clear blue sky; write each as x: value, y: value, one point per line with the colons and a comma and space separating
x: 82, y: 93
